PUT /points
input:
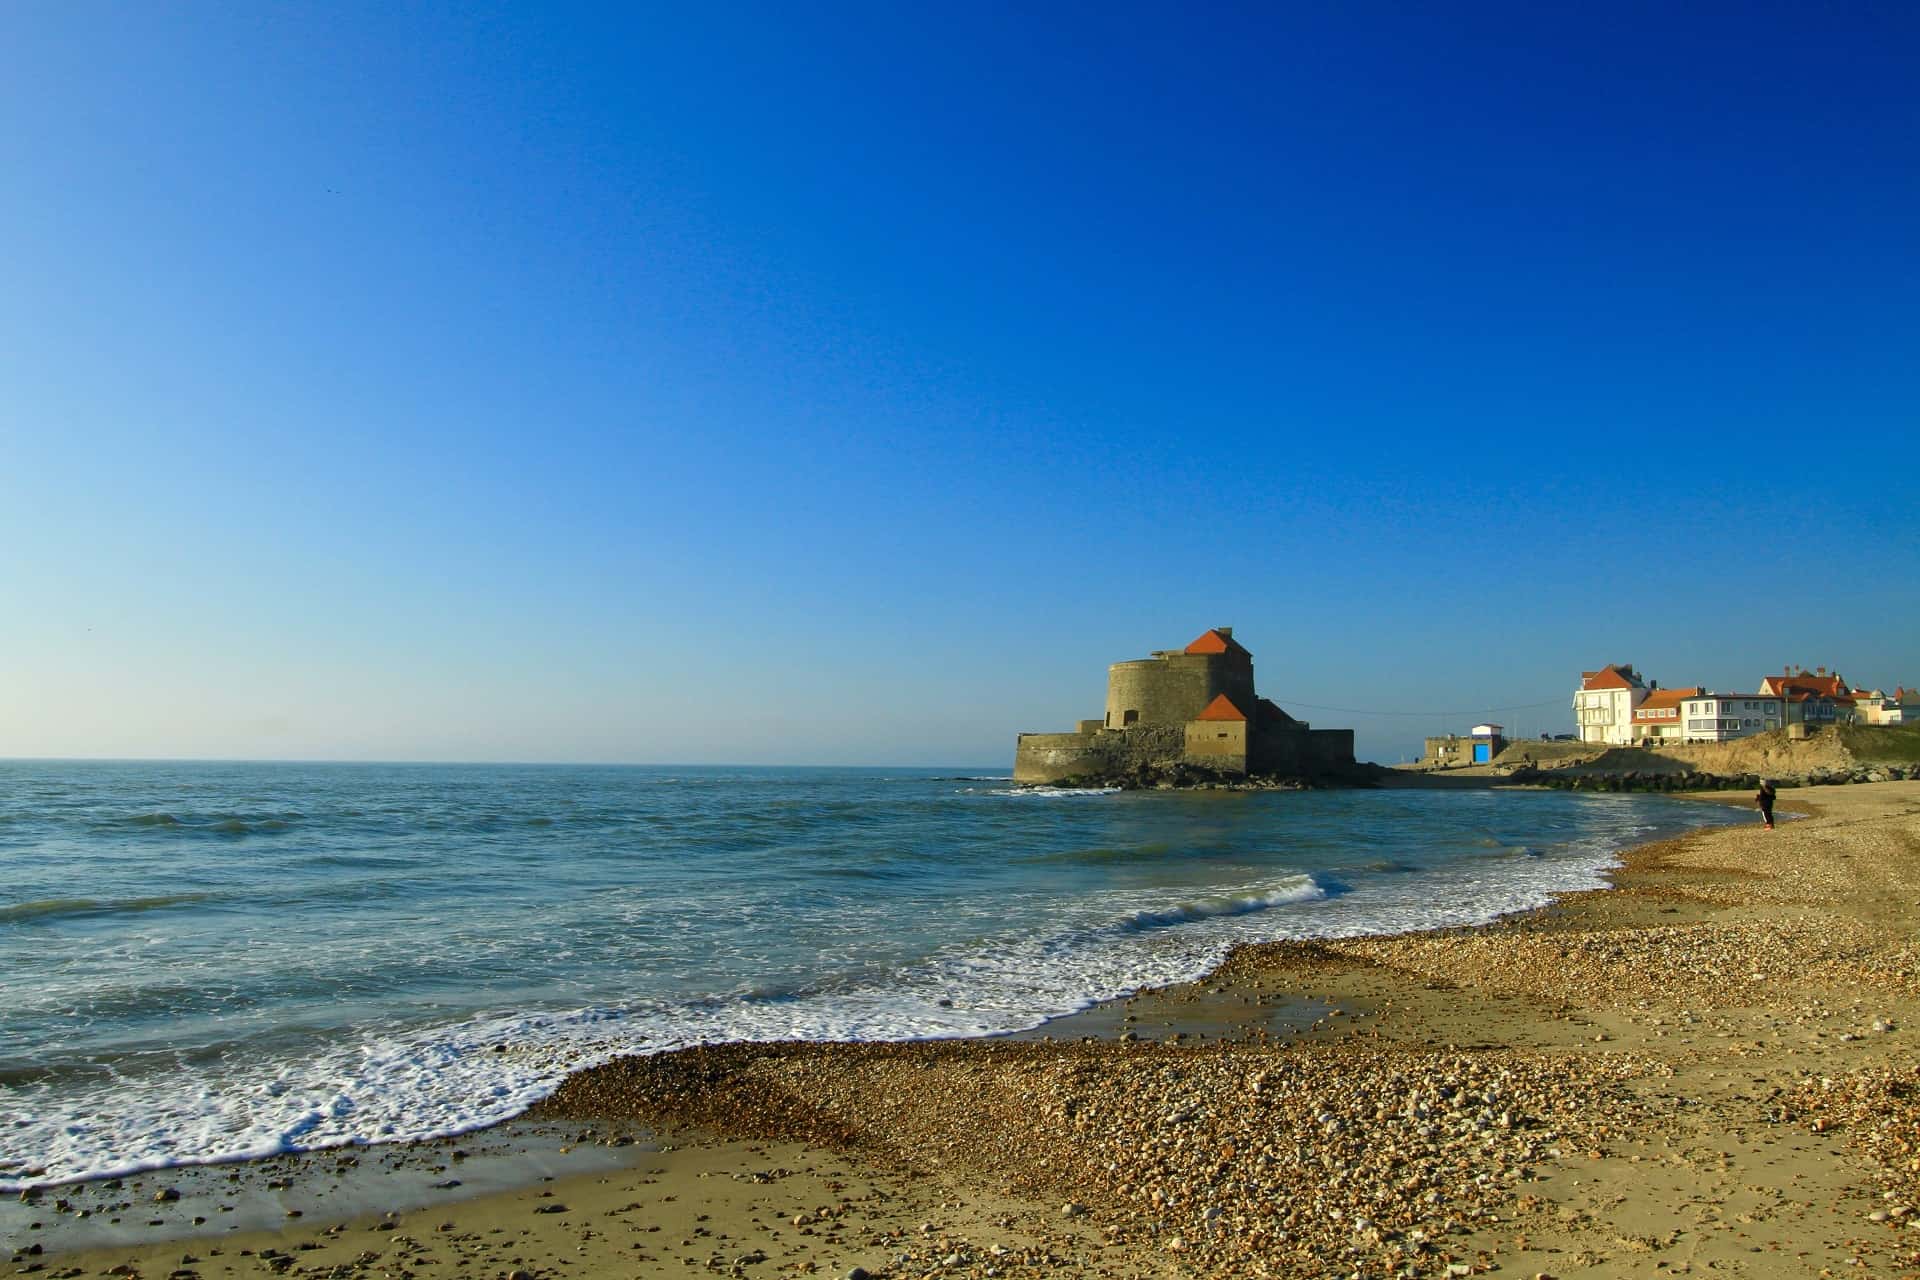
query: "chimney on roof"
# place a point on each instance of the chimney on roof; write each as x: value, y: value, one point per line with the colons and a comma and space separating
x: 1820, y: 671
x: 1226, y: 633
x: 1653, y: 686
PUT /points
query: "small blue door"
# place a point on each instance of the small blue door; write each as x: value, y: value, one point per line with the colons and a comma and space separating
x: 1482, y: 752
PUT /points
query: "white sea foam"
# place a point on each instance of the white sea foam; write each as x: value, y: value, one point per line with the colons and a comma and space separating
x: 400, y: 1084
x: 1299, y: 889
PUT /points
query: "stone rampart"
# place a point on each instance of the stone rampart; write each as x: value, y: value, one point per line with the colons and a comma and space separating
x: 1051, y: 757
x: 1331, y: 748
x: 1217, y: 744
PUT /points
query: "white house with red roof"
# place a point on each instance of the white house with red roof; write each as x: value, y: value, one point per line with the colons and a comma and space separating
x: 1604, y: 703
x: 1658, y: 718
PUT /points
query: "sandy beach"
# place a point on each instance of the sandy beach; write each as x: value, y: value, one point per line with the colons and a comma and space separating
x: 1704, y: 1069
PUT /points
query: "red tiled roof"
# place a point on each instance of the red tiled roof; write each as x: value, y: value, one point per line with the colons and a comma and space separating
x: 1827, y: 685
x: 1211, y: 641
x: 1608, y: 677
x: 1221, y: 708
x: 1664, y: 699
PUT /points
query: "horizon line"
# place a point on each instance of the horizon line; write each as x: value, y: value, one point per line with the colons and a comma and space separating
x: 557, y: 764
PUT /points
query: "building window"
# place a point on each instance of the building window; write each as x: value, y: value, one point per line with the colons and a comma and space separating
x: 1129, y: 717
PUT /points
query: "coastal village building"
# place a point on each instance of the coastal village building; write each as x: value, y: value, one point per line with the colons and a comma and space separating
x: 1721, y: 717
x: 1614, y: 706
x: 1902, y: 706
x: 1194, y: 707
x: 1658, y: 718
x: 1813, y: 698
x: 1450, y: 750
x: 1603, y: 706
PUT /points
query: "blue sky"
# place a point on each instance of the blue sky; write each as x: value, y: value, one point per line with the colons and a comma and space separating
x: 853, y: 383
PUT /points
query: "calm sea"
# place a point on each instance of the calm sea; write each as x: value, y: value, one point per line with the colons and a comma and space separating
x: 208, y: 961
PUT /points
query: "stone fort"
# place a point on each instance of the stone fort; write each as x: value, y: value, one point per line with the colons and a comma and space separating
x: 1193, y: 707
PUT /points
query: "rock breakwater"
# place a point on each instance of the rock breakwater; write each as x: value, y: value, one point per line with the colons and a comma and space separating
x: 1693, y: 780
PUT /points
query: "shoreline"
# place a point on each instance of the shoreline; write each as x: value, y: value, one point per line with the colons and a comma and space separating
x: 1032, y: 1012
x: 1451, y: 1005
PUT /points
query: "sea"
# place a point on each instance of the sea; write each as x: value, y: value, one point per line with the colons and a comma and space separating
x: 204, y: 962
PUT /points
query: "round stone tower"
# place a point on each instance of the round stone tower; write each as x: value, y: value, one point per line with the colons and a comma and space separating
x: 1175, y: 685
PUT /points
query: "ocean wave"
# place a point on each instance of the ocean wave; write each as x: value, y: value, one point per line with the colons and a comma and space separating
x: 212, y: 824
x: 1147, y: 853
x: 1041, y: 793
x: 960, y: 777
x: 383, y: 1085
x: 51, y: 908
x: 1299, y: 889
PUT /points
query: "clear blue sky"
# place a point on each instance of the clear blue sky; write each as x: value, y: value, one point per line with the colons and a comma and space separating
x: 852, y: 383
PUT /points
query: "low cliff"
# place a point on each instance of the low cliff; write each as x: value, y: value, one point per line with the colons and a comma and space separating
x: 1845, y: 753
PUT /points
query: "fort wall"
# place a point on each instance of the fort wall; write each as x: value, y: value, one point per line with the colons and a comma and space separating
x: 1173, y: 688
x: 1330, y: 747
x: 1049, y: 757
x: 1217, y: 744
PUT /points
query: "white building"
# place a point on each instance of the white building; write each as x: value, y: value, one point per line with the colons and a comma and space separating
x: 1658, y: 718
x: 1721, y: 717
x: 1902, y: 706
x: 1603, y: 705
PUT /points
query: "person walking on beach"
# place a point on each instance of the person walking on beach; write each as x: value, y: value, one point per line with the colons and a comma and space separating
x: 1765, y: 801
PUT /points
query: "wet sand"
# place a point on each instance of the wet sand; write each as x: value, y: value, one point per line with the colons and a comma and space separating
x: 1705, y: 1069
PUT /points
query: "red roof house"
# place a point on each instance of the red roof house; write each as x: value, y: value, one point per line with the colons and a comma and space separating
x: 1615, y: 675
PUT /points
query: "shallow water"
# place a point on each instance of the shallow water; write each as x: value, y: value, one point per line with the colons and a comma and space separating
x: 208, y: 961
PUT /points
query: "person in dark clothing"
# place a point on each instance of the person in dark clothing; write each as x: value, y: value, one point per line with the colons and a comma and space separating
x: 1765, y: 801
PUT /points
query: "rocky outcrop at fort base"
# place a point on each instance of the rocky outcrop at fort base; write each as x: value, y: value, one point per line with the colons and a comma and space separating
x: 1828, y: 757
x: 1174, y: 775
